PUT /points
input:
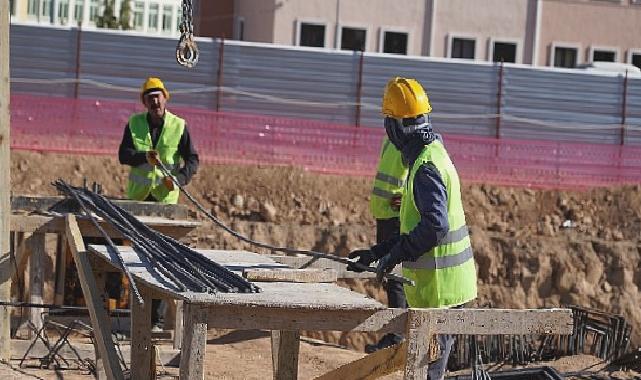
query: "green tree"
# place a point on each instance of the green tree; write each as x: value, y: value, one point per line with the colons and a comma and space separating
x: 108, y: 20
x: 125, y: 15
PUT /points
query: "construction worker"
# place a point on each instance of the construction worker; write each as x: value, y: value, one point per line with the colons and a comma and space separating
x: 385, y: 203
x: 433, y: 246
x: 150, y: 138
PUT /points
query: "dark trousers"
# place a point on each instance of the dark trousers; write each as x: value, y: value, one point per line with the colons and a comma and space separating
x: 386, y: 229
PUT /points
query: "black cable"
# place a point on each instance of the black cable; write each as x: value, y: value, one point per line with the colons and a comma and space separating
x: 291, y: 251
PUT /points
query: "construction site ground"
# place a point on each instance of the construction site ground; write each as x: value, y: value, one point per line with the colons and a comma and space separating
x: 534, y: 248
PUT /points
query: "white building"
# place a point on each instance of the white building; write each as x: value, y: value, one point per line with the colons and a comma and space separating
x: 154, y: 17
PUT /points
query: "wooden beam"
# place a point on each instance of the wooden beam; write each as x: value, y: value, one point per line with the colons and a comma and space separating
x: 285, y: 347
x: 96, y: 304
x: 5, y: 183
x: 418, y: 335
x: 380, y: 363
x: 36, y: 277
x: 304, y: 262
x: 141, y: 355
x: 61, y: 269
x: 192, y: 355
x: 290, y: 275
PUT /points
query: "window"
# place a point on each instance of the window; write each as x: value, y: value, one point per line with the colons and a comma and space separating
x: 395, y: 43
x: 63, y: 11
x: 32, y: 7
x: 635, y: 59
x: 94, y: 10
x: 312, y: 35
x: 604, y: 56
x: 46, y: 8
x: 353, y: 39
x: 504, y: 52
x: 463, y: 48
x: 565, y: 57
x: 139, y: 15
x: 153, y: 17
x: 166, y: 17
x: 78, y: 10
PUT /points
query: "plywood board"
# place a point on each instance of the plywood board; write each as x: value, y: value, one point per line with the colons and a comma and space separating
x: 290, y: 275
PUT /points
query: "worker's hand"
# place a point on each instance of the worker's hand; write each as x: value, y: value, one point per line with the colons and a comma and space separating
x: 364, y: 256
x: 395, y: 202
x: 169, y: 183
x: 385, y: 265
x: 152, y: 157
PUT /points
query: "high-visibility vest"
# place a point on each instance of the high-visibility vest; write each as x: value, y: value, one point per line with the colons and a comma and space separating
x: 388, y: 182
x: 446, y: 275
x: 146, y: 179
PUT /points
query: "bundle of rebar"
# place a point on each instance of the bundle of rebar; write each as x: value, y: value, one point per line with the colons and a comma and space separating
x: 186, y: 269
x: 604, y: 335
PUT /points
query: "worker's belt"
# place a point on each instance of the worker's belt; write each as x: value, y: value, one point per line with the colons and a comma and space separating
x: 389, y: 179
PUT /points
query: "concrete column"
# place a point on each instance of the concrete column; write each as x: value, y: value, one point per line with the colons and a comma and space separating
x: 85, y: 12
x: 145, y: 17
x: 55, y: 20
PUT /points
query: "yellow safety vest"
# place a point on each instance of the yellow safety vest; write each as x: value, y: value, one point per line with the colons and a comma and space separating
x: 388, y: 182
x: 446, y: 275
x: 146, y: 179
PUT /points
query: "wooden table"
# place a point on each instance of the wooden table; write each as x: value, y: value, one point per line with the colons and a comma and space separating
x: 284, y: 308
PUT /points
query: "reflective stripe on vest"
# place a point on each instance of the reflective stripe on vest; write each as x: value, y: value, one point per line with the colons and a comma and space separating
x: 446, y: 275
x: 146, y: 179
x: 389, y: 181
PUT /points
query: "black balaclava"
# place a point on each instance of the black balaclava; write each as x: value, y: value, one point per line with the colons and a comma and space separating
x: 409, y: 131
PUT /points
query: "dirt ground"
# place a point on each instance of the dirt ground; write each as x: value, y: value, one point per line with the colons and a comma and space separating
x: 533, y: 248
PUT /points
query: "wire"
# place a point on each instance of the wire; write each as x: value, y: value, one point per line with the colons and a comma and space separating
x: 292, y: 251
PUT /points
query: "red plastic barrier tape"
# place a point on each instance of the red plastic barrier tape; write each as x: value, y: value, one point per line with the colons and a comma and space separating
x: 82, y: 126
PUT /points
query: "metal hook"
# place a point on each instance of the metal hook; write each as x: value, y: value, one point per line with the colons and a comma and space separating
x: 187, y: 51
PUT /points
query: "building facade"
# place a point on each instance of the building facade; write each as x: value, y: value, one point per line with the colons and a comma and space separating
x: 559, y: 33
x: 153, y: 17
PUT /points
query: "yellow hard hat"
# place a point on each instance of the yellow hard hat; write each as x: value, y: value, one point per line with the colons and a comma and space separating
x: 153, y: 84
x: 405, y: 98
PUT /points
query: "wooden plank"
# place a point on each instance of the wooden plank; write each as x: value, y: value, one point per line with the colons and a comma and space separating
x: 290, y: 275
x: 141, y: 347
x: 178, y: 325
x: 418, y: 335
x: 36, y: 277
x: 55, y: 224
x: 302, y: 262
x: 285, y: 347
x: 22, y: 253
x: 99, y: 318
x: 23, y: 202
x: 5, y: 183
x: 499, y: 321
x: 61, y: 269
x: 192, y: 355
x: 380, y: 363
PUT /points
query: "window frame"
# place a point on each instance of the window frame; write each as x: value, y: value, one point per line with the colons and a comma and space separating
x: 518, y: 54
x: 311, y: 21
x: 632, y: 51
x: 608, y: 49
x: 381, y: 38
x: 568, y: 45
x: 339, y: 35
x: 464, y: 36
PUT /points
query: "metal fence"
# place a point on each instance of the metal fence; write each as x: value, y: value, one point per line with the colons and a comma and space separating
x: 470, y: 98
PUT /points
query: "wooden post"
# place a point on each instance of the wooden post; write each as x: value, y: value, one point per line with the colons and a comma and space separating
x: 418, y: 338
x: 61, y: 270
x: 285, y: 346
x: 5, y: 183
x: 178, y: 326
x: 192, y: 355
x: 140, y: 335
x: 95, y: 303
x: 36, y: 277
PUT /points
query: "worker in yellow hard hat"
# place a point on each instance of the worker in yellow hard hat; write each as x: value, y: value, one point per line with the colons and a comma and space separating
x: 152, y: 137
x: 433, y: 246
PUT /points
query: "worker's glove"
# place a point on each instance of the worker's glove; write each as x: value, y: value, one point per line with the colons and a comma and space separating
x: 395, y: 202
x: 365, y: 257
x: 169, y: 183
x: 152, y: 157
x: 386, y: 264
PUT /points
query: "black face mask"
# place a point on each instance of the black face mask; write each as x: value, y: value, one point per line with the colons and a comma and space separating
x: 401, y: 131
